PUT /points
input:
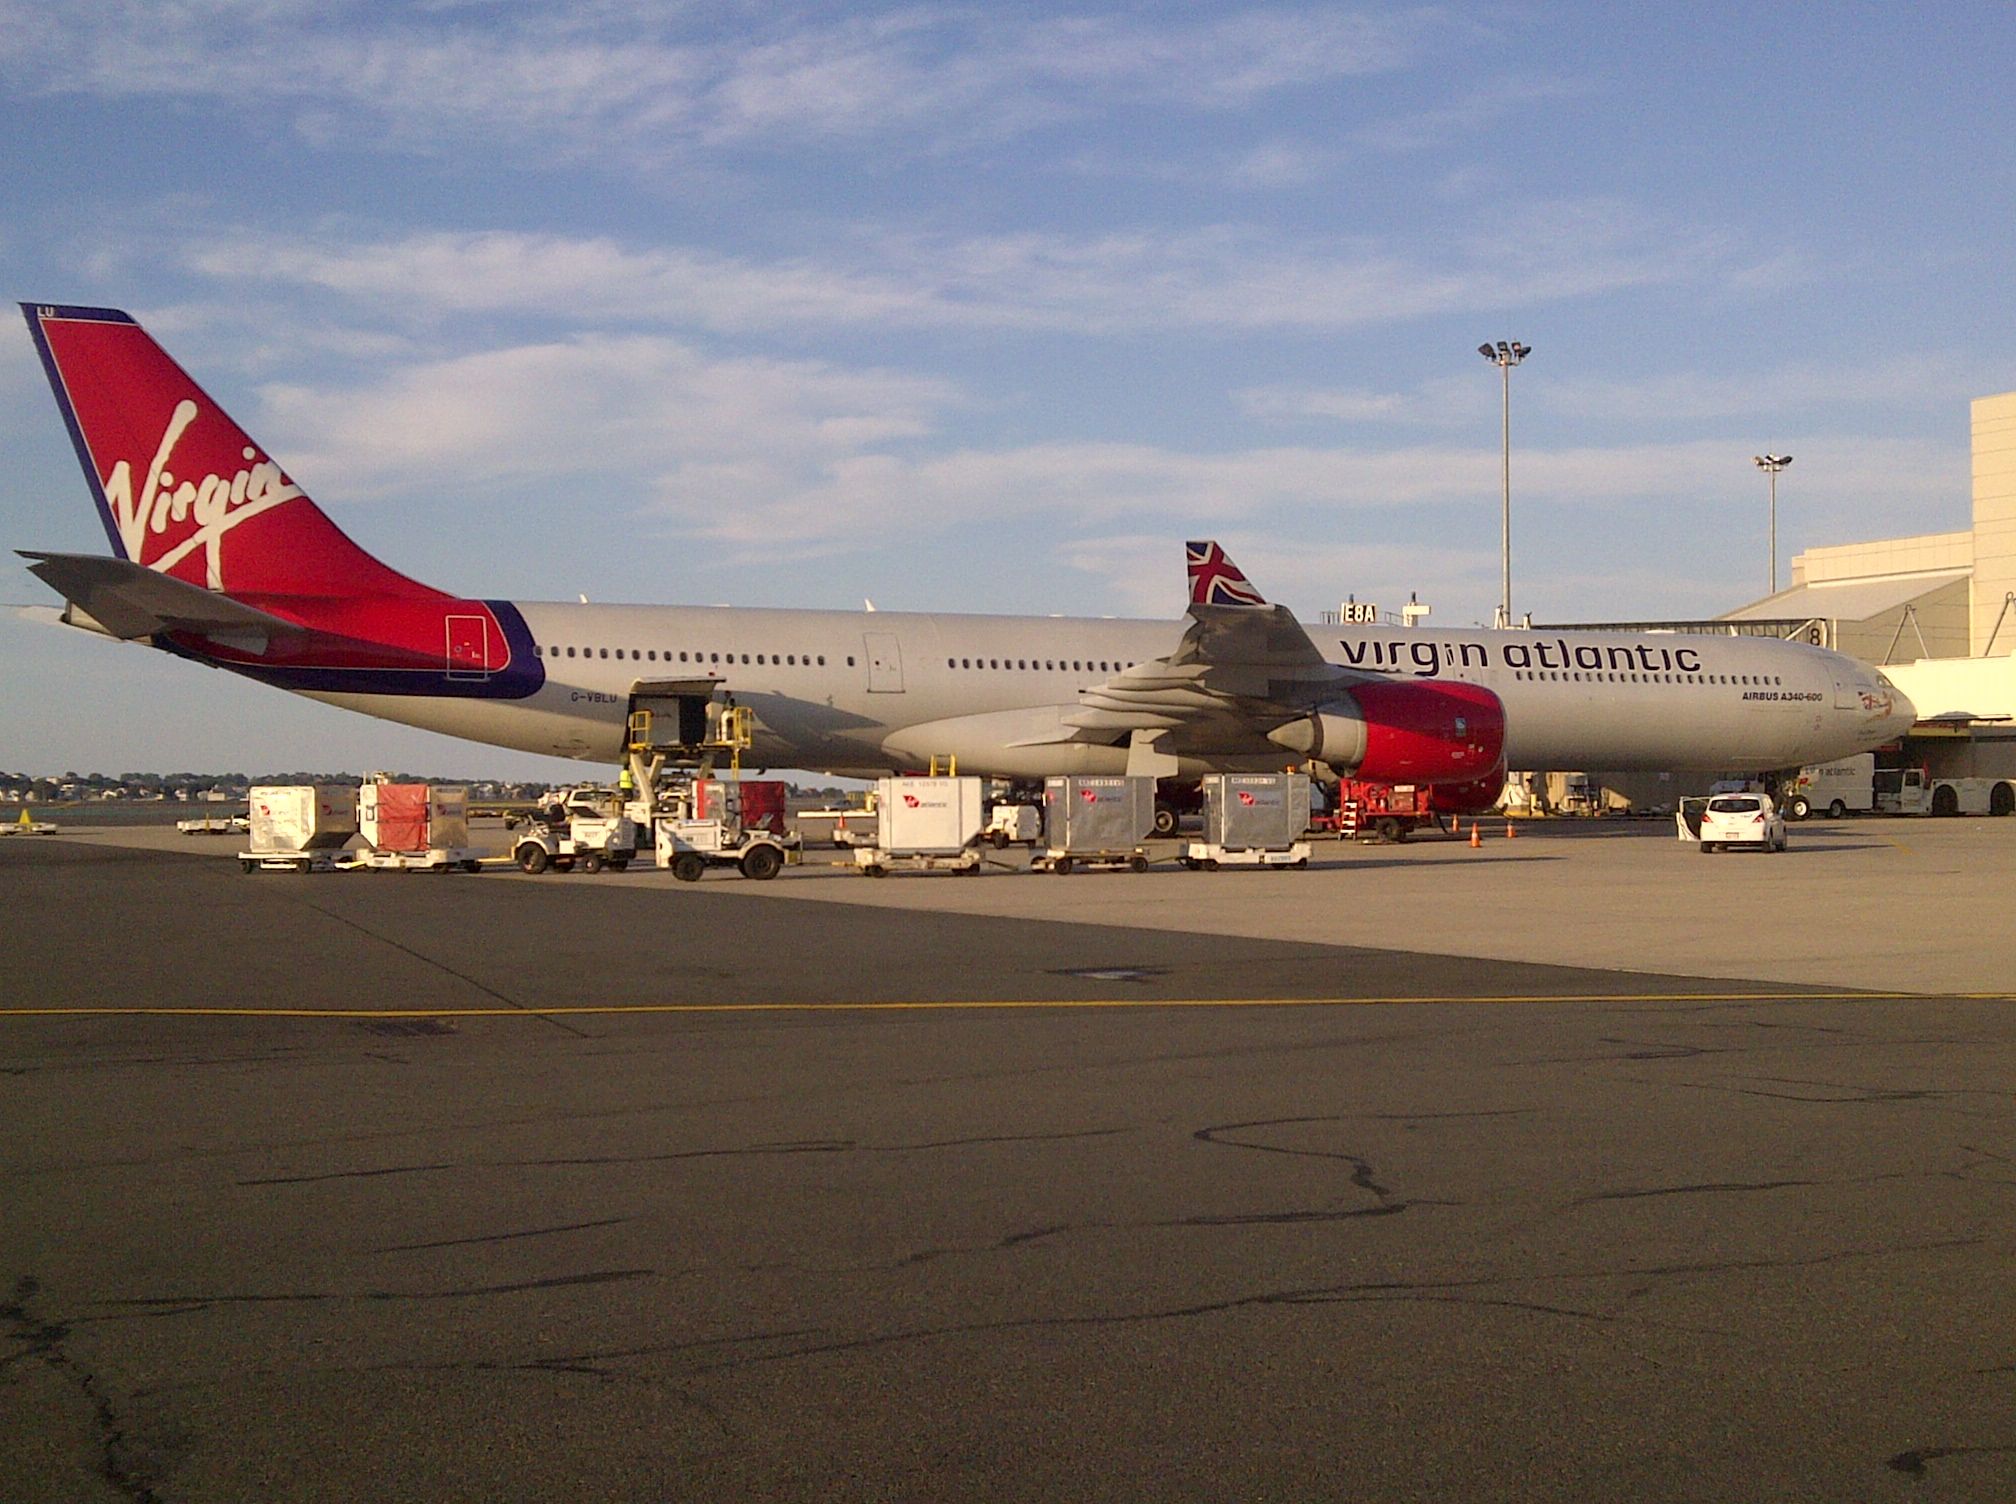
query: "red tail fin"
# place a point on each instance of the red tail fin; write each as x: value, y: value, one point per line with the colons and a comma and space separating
x: 180, y: 487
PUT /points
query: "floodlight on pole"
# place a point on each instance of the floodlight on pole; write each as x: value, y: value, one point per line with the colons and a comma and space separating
x: 1505, y: 355
x: 1771, y: 464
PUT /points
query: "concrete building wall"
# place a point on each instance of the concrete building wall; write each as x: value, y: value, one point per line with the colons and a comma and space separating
x: 1937, y: 628
x: 1994, y: 520
x: 1928, y: 552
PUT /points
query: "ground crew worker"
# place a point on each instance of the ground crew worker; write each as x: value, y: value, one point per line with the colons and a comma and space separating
x: 626, y: 785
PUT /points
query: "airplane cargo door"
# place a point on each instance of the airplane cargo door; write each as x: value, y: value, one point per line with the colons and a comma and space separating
x: 885, y: 663
x: 468, y: 648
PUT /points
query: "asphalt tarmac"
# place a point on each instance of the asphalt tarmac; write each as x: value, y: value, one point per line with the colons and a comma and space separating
x: 413, y: 1187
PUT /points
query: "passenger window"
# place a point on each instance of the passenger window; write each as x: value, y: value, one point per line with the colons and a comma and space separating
x: 822, y: 660
x: 850, y: 660
x: 605, y: 652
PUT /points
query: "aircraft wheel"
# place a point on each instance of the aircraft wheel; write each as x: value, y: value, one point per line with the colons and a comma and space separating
x: 1137, y: 863
x: 592, y: 863
x: 1165, y: 820
x: 1836, y: 810
x: 1799, y: 808
x: 760, y: 863
x: 687, y: 867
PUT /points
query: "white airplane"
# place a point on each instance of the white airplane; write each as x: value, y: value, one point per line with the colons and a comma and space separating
x: 220, y: 557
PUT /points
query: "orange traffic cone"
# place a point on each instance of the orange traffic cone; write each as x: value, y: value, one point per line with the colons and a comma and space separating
x: 1511, y: 829
x: 1475, y: 840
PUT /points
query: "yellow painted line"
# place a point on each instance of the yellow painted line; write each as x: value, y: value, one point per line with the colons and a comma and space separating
x: 944, y: 1005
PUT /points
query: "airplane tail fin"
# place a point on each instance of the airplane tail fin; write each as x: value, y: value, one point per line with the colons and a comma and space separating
x: 1215, y: 580
x: 180, y: 487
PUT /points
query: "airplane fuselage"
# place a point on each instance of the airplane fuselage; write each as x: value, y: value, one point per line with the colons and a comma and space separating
x: 860, y: 692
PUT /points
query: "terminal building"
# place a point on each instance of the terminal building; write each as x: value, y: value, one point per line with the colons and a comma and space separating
x: 1935, y: 611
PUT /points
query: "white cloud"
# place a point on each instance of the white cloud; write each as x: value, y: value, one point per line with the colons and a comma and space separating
x: 1226, y: 278
x: 648, y: 418
x: 596, y: 81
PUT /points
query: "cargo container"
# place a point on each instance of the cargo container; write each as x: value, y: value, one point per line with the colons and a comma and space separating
x: 413, y: 817
x: 1096, y: 822
x: 924, y: 823
x: 1252, y: 819
x: 299, y: 826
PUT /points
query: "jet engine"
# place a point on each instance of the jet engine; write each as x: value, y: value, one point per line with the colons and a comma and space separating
x: 1404, y: 731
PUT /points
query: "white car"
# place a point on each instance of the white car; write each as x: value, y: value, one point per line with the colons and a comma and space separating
x: 1742, y: 820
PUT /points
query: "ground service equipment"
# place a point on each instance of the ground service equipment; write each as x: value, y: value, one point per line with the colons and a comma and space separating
x: 1252, y: 820
x: 1379, y: 811
x: 415, y: 827
x: 925, y: 824
x: 588, y: 828
x: 1096, y: 822
x: 704, y: 822
x: 1013, y: 825
x: 299, y: 827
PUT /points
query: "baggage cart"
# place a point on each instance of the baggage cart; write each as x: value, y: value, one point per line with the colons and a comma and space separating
x: 1096, y: 823
x: 415, y: 827
x: 924, y: 825
x: 1252, y: 820
x: 299, y: 827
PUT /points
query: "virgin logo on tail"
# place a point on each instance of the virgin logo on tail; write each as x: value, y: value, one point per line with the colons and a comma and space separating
x: 214, y: 503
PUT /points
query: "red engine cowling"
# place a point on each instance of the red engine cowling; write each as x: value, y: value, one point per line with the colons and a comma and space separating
x: 1468, y: 798
x: 1406, y: 731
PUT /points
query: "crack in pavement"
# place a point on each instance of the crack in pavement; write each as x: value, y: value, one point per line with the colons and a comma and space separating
x: 1913, y: 1463
x: 502, y: 1237
x: 442, y: 966
x: 180, y: 1304
x: 45, y: 1339
x: 805, y: 1146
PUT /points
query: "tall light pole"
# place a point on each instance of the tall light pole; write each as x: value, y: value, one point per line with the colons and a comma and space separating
x: 1771, y: 464
x: 1505, y: 356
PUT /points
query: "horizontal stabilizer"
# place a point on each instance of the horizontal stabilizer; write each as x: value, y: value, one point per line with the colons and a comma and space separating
x: 132, y: 601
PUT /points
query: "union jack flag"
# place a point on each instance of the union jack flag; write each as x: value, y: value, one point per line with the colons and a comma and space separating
x: 1216, y: 581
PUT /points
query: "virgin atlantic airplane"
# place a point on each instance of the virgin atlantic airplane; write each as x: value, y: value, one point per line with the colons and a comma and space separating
x: 218, y: 556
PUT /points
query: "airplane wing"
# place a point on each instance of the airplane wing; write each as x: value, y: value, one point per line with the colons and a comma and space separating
x: 1242, y: 668
x: 131, y: 601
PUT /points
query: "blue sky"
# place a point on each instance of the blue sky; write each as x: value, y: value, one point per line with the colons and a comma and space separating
x: 989, y: 307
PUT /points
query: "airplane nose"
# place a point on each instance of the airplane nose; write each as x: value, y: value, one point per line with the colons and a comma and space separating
x: 1903, y: 714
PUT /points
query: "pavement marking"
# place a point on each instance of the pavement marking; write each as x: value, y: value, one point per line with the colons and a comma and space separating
x: 944, y: 1005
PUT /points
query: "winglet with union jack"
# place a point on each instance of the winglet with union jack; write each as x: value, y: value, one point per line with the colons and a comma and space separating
x: 1216, y: 581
